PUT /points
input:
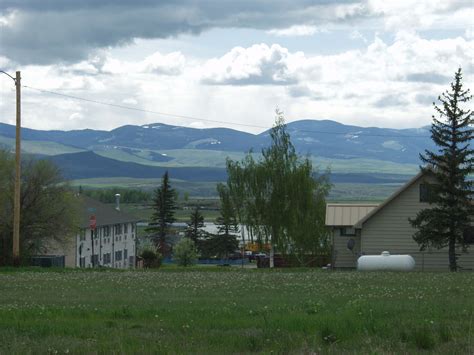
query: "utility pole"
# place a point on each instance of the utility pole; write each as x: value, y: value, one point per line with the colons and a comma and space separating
x: 16, y: 195
x: 16, y: 202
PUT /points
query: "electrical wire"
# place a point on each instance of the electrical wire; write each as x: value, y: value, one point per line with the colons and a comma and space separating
x: 214, y: 121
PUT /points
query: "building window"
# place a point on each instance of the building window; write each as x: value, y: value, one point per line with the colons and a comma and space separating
x: 348, y: 232
x: 133, y: 228
x: 95, y: 259
x: 468, y: 235
x: 106, y: 231
x: 125, y: 254
x: 118, y: 255
x: 125, y: 228
x: 118, y: 229
x: 426, y: 193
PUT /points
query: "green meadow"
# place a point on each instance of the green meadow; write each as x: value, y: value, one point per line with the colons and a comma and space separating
x: 212, y: 310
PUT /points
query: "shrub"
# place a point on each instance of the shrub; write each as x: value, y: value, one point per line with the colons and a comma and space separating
x: 151, y: 259
x: 185, y: 252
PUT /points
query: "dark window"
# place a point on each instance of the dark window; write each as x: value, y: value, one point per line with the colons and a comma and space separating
x: 347, y: 232
x: 426, y: 193
x: 469, y: 235
x: 118, y: 255
x: 95, y: 260
x: 125, y: 228
x: 82, y: 262
x: 125, y: 254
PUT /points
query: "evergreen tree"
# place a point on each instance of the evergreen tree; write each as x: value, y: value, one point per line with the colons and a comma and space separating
x: 444, y: 223
x: 164, y: 205
x: 225, y: 241
x: 195, y: 224
x: 227, y: 222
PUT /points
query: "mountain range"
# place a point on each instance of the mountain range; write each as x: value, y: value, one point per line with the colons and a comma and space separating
x: 193, y: 154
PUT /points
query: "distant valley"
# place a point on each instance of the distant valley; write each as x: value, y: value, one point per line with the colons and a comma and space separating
x: 354, y: 154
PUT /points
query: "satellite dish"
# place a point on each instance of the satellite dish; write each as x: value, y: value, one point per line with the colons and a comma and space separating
x: 351, y: 244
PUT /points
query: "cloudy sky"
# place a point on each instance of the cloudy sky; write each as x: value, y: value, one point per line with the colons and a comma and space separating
x: 369, y: 63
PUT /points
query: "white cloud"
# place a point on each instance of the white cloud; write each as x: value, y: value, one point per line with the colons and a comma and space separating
x: 469, y: 33
x: 423, y: 14
x: 130, y: 101
x: 388, y: 84
x: 169, y: 64
x: 259, y: 64
x: 297, y: 30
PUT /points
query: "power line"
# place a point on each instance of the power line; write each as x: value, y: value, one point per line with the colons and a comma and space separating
x: 213, y: 121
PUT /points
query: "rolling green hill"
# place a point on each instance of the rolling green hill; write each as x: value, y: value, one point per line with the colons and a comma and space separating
x: 39, y: 147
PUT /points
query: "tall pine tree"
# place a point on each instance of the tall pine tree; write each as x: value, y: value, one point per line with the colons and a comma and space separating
x: 164, y: 205
x: 196, y: 222
x: 227, y: 221
x: 444, y: 223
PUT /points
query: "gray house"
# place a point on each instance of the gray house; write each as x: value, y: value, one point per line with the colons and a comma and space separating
x: 361, y: 229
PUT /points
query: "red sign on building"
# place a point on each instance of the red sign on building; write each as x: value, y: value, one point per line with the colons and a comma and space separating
x: 92, y: 222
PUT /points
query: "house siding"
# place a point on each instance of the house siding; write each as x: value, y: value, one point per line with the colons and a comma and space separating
x: 389, y: 229
x: 342, y: 257
x: 107, y: 246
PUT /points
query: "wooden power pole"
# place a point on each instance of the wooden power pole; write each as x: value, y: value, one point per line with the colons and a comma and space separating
x: 16, y: 201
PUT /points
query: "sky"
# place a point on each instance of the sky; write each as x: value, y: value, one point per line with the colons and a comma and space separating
x: 221, y: 63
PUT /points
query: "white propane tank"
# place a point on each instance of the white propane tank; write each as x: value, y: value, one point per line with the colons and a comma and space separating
x: 385, y: 262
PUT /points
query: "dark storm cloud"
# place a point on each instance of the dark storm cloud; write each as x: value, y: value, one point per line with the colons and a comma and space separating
x: 48, y: 31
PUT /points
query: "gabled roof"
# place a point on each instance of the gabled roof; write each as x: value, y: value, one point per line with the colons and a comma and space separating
x: 391, y: 198
x: 104, y: 214
x: 341, y: 215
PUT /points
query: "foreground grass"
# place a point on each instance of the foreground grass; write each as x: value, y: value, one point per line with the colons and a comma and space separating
x: 235, y: 311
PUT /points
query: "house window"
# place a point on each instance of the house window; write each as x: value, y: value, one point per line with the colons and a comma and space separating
x: 118, y: 255
x: 468, y: 235
x: 118, y: 229
x: 426, y: 193
x: 133, y: 228
x: 348, y: 232
x: 125, y: 254
x: 125, y: 228
x: 106, y: 231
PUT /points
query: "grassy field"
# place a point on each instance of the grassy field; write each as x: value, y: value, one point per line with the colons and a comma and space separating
x: 339, y: 192
x: 217, y: 158
x: 224, y: 311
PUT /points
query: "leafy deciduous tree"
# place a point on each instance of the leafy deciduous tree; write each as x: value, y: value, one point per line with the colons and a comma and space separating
x: 185, y: 252
x: 278, y: 197
x: 49, y: 210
